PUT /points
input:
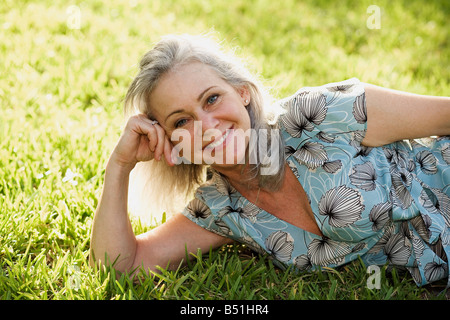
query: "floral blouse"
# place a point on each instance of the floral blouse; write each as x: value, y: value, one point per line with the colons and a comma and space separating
x: 386, y: 205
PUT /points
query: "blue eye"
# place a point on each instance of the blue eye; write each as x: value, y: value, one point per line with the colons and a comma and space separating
x: 212, y: 99
x: 180, y: 123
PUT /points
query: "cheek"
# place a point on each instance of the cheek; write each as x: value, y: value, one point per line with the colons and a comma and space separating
x: 245, y: 116
x: 238, y: 113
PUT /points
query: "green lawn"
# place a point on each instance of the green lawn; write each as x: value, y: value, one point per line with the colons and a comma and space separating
x: 65, y: 67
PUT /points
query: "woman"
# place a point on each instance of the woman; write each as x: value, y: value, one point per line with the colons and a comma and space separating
x: 346, y: 180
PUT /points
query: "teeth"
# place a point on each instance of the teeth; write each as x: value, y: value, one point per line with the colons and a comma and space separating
x: 216, y: 143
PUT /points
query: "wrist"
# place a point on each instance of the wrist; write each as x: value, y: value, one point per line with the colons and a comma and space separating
x: 121, y: 168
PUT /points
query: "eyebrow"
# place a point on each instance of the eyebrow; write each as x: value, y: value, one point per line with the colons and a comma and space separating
x: 200, y: 97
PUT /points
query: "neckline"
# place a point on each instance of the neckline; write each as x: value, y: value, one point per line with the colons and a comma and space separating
x: 246, y: 201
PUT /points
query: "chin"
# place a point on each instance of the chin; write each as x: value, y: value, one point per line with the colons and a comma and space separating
x: 225, y: 158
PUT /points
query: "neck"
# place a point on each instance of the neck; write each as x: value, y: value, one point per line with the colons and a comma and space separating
x: 239, y: 176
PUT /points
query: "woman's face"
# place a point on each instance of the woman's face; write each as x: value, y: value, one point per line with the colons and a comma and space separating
x: 204, y: 117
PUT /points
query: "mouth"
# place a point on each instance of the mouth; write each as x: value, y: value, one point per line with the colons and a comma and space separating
x: 217, y: 142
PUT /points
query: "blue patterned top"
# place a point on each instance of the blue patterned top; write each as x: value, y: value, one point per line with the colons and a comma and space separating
x: 387, y: 205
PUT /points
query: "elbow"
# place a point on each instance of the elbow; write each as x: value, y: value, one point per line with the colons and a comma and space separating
x: 120, y: 262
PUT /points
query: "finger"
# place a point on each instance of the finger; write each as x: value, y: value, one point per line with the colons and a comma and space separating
x: 168, y: 147
x: 152, y: 135
x: 159, y: 149
x: 141, y: 125
x: 156, y: 146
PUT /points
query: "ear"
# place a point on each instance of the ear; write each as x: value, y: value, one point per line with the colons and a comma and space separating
x: 245, y: 94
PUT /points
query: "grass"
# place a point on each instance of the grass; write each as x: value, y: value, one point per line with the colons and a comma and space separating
x: 60, y: 114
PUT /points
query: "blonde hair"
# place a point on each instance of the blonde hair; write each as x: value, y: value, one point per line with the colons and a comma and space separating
x: 159, y: 180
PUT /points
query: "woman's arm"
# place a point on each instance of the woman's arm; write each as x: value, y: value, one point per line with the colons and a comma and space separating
x: 395, y: 115
x: 112, y: 238
x: 165, y: 245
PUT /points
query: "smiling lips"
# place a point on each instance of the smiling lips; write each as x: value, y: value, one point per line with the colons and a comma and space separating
x: 217, y: 142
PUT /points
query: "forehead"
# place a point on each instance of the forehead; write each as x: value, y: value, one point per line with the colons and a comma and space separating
x: 181, y: 87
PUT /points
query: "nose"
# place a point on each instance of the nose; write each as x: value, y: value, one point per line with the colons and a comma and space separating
x: 209, y: 120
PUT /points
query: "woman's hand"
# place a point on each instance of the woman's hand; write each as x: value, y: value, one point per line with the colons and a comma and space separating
x: 141, y: 140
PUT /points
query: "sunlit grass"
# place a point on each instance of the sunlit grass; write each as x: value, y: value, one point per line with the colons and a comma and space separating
x: 61, y: 95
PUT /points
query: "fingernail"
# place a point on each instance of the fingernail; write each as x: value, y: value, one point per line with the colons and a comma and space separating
x: 174, y: 158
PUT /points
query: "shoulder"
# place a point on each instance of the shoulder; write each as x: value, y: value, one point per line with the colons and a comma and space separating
x: 331, y: 108
x: 320, y: 97
x: 209, y: 199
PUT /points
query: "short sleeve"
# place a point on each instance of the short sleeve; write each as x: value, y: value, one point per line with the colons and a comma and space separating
x: 328, y: 110
x: 199, y: 212
x: 213, y: 206
x: 219, y: 208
